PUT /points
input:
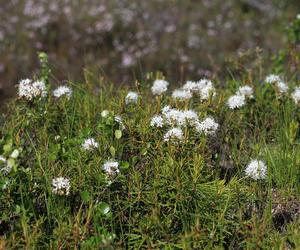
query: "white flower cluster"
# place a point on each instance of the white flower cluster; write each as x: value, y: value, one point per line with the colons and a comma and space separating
x: 276, y: 80
x: 296, y: 95
x: 245, y: 90
x: 63, y: 90
x: 177, y: 119
x: 29, y: 89
x: 159, y: 87
x: 119, y: 120
x: 90, y: 144
x: 256, y: 169
x: 174, y: 134
x: 236, y: 101
x: 111, y: 168
x: 9, y: 162
x: 61, y: 186
x: 208, y: 126
x: 204, y: 88
x: 131, y: 97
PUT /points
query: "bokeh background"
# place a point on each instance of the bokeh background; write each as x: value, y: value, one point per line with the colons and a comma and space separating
x: 122, y: 40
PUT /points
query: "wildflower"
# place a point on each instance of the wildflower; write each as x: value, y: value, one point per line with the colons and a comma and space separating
x: 159, y: 87
x: 90, y: 144
x: 182, y: 94
x: 174, y: 134
x: 236, y: 101
x: 119, y: 120
x: 256, y: 170
x: 282, y: 87
x: 191, y: 86
x: 157, y: 121
x: 61, y: 186
x: 131, y: 97
x: 30, y: 90
x: 206, y: 89
x: 208, y: 126
x: 111, y: 168
x: 296, y: 95
x: 2, y: 159
x: 15, y: 154
x: 104, y: 113
x: 166, y: 109
x: 272, y: 79
x: 63, y: 90
x: 245, y: 90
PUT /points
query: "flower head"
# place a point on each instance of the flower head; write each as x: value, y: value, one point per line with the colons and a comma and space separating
x: 272, y: 79
x: 174, y: 135
x: 236, y: 101
x: 181, y: 94
x: 159, y: 87
x: 256, y: 170
x: 61, y: 186
x: 157, y: 121
x: 245, y: 90
x: 131, y: 97
x: 207, y: 126
x: 296, y: 95
x: 90, y: 144
x: 30, y: 90
x: 63, y: 90
x: 111, y: 168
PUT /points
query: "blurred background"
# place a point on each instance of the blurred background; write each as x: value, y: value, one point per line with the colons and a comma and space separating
x: 122, y: 40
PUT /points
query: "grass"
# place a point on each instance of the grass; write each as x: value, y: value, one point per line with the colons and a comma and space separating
x: 189, y: 195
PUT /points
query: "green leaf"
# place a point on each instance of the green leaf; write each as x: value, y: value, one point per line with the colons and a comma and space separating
x: 103, y: 208
x: 118, y: 134
x: 85, y: 196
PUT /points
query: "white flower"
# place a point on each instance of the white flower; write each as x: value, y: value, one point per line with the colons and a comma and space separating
x: 104, y: 113
x: 159, y: 87
x: 191, y: 117
x: 182, y: 94
x: 90, y: 144
x: 191, y: 86
x: 236, y: 101
x: 207, y: 126
x: 111, y: 167
x: 61, y: 186
x: 245, y: 90
x: 119, y: 120
x: 298, y: 16
x: 174, y: 134
x: 166, y: 109
x: 272, y: 79
x: 15, y: 154
x: 30, y: 90
x: 296, y: 95
x: 256, y: 170
x: 175, y: 117
x: 157, y: 121
x: 282, y: 87
x: 206, y: 89
x: 131, y: 97
x: 63, y: 90
x: 2, y: 159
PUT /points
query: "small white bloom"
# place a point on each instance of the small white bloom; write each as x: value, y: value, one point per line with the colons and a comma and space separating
x: 159, y: 87
x: 296, y: 95
x: 166, y: 109
x: 30, y: 90
x: 236, y: 101
x: 208, y: 126
x: 298, y: 16
x: 191, y: 86
x: 61, y: 186
x: 174, y: 134
x: 90, y: 144
x: 111, y: 167
x: 206, y: 89
x: 57, y: 137
x: 131, y: 97
x: 182, y: 94
x: 157, y: 121
x: 15, y: 154
x: 256, y: 170
x: 63, y: 90
x: 119, y: 120
x: 245, y: 90
x: 282, y: 87
x: 272, y: 79
x: 2, y: 159
x: 104, y: 113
